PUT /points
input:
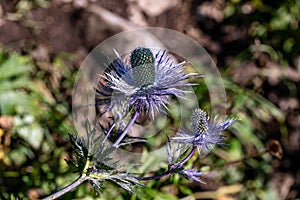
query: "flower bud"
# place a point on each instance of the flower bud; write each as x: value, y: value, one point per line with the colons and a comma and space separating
x: 199, y: 121
x: 143, y: 69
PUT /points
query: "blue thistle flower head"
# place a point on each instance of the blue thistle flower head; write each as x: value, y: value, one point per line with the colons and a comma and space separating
x: 144, y: 84
x: 205, y: 133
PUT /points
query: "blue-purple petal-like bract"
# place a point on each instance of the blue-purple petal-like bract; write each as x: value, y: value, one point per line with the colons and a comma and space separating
x: 192, y: 174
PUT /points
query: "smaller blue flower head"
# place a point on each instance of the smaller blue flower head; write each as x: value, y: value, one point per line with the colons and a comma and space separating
x: 205, y: 133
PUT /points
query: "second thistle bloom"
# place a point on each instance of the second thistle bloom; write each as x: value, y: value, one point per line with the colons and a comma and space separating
x: 145, y: 83
x: 204, y: 133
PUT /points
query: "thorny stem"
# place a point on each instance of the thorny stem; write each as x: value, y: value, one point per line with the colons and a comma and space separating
x: 129, y: 125
x: 171, y: 169
x: 71, y: 186
x: 183, y: 161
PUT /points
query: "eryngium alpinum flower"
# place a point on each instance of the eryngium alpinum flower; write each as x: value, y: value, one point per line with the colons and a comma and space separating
x: 205, y: 133
x: 144, y: 84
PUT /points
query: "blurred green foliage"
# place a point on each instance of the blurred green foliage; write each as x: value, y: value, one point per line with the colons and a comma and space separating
x: 275, y: 23
x: 31, y: 157
x: 33, y: 149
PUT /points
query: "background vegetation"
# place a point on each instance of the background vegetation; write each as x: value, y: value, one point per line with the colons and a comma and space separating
x: 254, y: 43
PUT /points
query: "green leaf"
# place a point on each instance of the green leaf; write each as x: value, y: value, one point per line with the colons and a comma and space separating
x: 14, y: 66
x: 155, y: 195
x: 18, y: 83
x: 185, y: 190
x: 29, y: 130
x: 12, y: 102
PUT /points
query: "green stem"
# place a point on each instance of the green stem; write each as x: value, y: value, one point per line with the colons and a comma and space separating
x: 87, y: 164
